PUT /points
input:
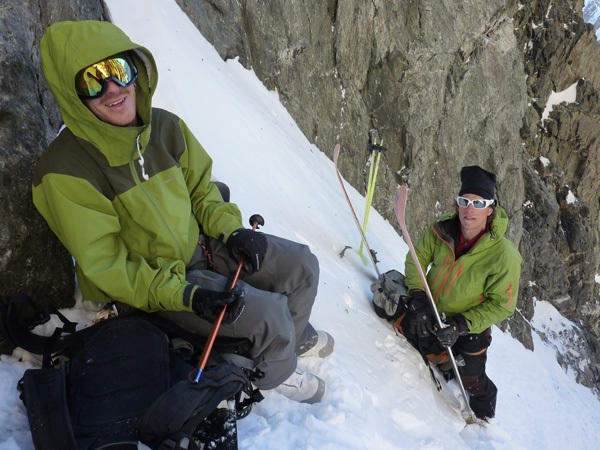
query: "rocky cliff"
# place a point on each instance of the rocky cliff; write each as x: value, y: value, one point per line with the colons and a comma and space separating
x: 444, y: 83
x: 32, y: 260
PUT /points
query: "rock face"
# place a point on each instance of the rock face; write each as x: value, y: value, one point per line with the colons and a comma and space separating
x: 438, y: 96
x: 445, y: 84
x: 32, y: 260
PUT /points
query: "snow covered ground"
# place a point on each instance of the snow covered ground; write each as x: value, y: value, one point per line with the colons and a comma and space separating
x: 380, y: 395
x: 591, y: 13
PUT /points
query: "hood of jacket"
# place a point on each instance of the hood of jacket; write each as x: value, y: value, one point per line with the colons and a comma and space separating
x: 66, y: 48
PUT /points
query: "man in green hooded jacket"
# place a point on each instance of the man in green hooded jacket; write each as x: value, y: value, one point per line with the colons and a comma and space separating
x: 473, y: 273
x: 127, y: 189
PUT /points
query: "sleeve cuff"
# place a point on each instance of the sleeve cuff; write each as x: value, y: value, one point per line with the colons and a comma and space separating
x: 463, y: 327
x: 187, y: 295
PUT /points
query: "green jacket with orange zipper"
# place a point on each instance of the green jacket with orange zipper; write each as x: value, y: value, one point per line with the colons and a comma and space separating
x: 482, y: 284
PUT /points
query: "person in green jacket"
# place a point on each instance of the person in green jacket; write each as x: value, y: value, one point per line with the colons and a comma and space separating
x: 127, y: 189
x: 473, y: 274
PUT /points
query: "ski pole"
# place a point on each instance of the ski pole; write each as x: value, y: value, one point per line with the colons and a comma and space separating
x: 401, y: 195
x: 379, y: 148
x: 372, y: 254
x: 367, y: 196
x: 256, y: 220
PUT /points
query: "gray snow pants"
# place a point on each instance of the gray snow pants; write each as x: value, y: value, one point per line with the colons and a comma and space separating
x: 279, y: 299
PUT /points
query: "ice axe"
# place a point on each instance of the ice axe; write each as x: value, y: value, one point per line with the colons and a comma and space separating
x: 256, y: 220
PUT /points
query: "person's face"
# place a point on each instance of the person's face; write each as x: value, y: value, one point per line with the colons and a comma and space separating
x: 473, y: 220
x: 116, y: 106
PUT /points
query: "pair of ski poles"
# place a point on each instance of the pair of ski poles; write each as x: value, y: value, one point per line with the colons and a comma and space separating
x: 376, y: 151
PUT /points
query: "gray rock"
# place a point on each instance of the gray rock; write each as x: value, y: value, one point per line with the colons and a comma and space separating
x: 32, y: 260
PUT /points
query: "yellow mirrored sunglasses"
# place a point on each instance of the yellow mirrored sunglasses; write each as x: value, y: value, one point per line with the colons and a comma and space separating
x: 91, y: 81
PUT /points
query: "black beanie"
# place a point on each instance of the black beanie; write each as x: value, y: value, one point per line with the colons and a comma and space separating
x: 478, y: 181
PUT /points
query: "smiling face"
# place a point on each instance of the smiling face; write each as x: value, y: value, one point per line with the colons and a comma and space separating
x: 116, y: 106
x: 473, y: 220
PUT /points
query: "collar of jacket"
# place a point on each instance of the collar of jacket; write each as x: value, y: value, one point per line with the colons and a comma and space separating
x: 446, y: 227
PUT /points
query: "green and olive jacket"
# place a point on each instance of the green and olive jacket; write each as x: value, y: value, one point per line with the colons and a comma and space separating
x: 128, y: 203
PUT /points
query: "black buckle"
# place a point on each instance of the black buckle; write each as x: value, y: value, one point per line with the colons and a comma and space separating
x: 41, y: 318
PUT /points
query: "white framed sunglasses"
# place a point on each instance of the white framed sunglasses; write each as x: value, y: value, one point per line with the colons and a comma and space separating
x: 464, y: 202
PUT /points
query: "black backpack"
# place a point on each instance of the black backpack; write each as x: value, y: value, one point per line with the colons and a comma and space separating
x: 118, y: 382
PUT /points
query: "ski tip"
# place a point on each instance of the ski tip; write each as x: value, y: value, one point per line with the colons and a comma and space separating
x: 336, y: 152
x: 401, y: 195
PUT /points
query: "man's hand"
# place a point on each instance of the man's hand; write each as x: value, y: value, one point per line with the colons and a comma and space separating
x: 208, y: 304
x: 251, y: 243
x: 424, y: 322
x: 420, y: 307
x: 457, y: 326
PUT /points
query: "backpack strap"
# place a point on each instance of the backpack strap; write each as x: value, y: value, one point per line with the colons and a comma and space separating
x: 243, y: 406
x: 43, y: 392
x: 21, y: 315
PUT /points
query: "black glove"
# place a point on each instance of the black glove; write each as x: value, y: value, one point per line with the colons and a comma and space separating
x: 418, y: 300
x: 250, y: 243
x: 422, y: 321
x: 457, y: 326
x: 208, y: 304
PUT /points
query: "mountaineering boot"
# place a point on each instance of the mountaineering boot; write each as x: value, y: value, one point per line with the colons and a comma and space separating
x: 302, y: 387
x: 447, y: 368
x: 320, y: 345
x: 438, y: 359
